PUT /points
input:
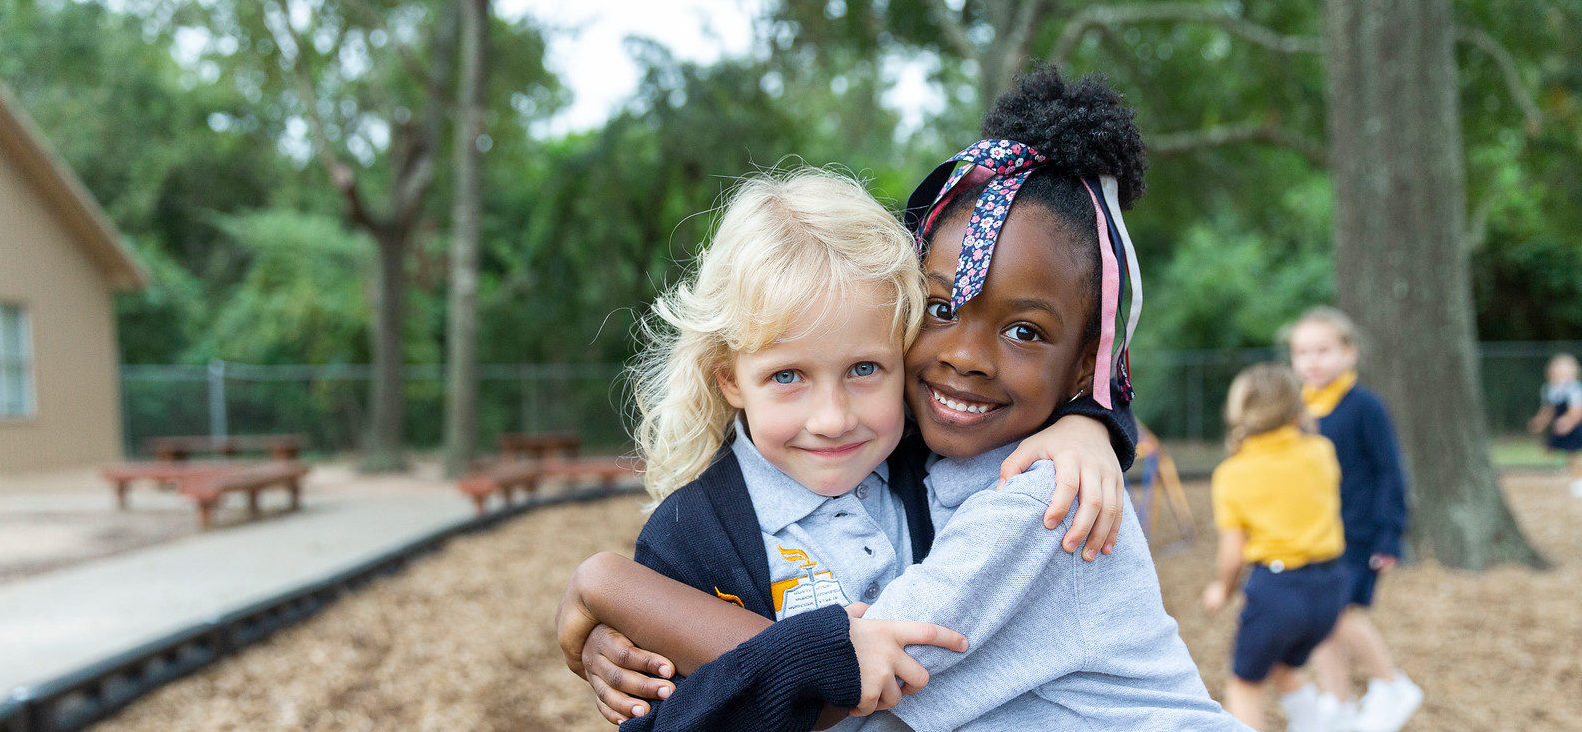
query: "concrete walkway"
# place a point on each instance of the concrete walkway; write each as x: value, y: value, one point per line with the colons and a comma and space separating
x: 59, y: 621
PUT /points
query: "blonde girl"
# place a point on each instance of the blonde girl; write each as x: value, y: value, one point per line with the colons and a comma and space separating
x: 1277, y: 506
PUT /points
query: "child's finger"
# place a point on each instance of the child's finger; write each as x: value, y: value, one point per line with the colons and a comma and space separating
x: 620, y: 650
x: 1117, y: 490
x: 613, y: 716
x: 617, y: 702
x: 1067, y: 481
x: 1017, y: 463
x: 627, y: 681
x: 1109, y: 515
x: 912, y: 632
x: 912, y: 673
x: 889, y: 694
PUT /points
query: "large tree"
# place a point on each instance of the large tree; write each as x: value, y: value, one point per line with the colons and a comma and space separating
x: 461, y: 333
x: 1402, y: 263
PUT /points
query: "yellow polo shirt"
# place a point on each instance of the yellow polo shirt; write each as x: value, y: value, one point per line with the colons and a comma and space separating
x: 1282, y: 488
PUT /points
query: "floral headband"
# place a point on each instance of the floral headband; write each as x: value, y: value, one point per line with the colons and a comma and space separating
x: 1005, y: 164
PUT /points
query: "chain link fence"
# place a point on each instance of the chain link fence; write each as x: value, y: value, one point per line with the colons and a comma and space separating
x: 1181, y: 397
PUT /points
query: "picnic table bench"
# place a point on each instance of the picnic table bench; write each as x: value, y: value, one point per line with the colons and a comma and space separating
x: 166, y: 474
x: 540, y: 445
x: 207, y: 488
x: 506, y: 477
x: 179, y: 447
x: 206, y: 481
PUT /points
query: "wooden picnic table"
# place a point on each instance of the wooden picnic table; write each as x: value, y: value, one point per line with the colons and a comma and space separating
x: 165, y: 474
x: 506, y: 477
x: 180, y: 447
x: 206, y: 481
x: 207, y: 488
x: 516, y: 446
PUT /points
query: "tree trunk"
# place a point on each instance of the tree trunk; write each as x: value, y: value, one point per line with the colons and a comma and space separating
x: 461, y: 333
x: 1402, y: 270
x: 382, y: 451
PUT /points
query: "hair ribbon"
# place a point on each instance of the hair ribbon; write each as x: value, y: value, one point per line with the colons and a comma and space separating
x: 1006, y: 164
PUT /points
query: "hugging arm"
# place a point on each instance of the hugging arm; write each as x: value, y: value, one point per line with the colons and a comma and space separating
x: 1090, y: 447
x: 779, y: 678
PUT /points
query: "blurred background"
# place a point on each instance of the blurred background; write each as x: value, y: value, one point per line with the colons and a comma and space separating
x: 400, y: 229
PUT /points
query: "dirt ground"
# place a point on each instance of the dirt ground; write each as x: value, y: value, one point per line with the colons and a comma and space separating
x: 463, y: 641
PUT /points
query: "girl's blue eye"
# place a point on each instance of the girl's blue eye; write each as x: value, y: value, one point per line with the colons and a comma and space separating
x: 865, y: 368
x: 1023, y: 333
x: 939, y: 310
x: 785, y: 377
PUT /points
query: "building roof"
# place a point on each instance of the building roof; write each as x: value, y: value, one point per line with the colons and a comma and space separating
x: 23, y: 143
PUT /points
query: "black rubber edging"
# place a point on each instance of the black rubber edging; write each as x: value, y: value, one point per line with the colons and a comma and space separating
x: 77, y: 699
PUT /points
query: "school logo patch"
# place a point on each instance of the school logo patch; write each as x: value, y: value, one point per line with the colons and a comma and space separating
x: 808, y: 588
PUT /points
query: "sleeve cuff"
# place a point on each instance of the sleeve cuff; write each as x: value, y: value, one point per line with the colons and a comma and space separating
x: 1119, y: 421
x: 810, y: 655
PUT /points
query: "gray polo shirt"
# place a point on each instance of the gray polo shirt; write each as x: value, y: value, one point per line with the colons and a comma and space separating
x: 1054, y: 642
x: 824, y: 551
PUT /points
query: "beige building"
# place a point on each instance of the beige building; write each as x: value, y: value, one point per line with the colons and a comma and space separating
x: 61, y: 263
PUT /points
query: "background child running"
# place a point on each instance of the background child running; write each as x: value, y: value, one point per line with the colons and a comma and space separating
x: 1323, y: 346
x: 1277, y: 506
x: 770, y: 400
x: 1561, y: 413
x: 1019, y: 317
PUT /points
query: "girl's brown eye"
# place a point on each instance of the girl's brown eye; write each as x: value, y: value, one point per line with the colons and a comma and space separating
x: 939, y: 310
x: 1022, y: 333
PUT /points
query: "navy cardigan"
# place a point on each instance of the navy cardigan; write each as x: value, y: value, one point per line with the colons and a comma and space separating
x: 706, y: 535
x: 1372, y: 483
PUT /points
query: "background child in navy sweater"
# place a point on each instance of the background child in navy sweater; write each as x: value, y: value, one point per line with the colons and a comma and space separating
x: 1559, y: 417
x: 1373, y: 508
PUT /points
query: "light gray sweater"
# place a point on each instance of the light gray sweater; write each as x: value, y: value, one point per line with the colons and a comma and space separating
x: 1054, y: 642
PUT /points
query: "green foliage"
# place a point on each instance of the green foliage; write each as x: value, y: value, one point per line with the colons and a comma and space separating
x: 203, y: 163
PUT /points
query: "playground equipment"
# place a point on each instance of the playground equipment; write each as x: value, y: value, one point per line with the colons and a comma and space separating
x: 1157, y: 490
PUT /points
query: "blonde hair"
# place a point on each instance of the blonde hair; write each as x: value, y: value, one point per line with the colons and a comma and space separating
x: 787, y: 244
x: 1264, y: 397
x: 1345, y: 328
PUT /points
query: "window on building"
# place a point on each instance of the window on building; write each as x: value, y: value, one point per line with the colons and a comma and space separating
x: 16, y: 363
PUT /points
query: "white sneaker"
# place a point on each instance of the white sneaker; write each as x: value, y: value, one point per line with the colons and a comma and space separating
x: 1576, y: 488
x: 1388, y: 704
x: 1301, y: 710
x: 1335, y: 715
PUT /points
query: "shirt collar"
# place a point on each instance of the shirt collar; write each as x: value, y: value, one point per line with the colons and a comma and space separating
x: 778, y: 499
x: 1321, y: 401
x: 953, y: 480
x: 1272, y: 440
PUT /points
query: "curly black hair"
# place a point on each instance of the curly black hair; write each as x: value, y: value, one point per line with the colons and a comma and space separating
x: 1086, y: 132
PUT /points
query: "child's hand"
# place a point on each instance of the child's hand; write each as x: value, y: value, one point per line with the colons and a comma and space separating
x: 881, y: 657
x: 1085, y: 463
x: 1567, y: 422
x: 574, y: 621
x: 622, y: 675
x: 1381, y: 562
x: 1215, y: 596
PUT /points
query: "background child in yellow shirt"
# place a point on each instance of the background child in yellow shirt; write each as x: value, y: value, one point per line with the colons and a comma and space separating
x: 1277, y: 506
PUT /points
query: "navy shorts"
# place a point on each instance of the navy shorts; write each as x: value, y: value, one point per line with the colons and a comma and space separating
x: 1287, y: 615
x: 1361, y: 578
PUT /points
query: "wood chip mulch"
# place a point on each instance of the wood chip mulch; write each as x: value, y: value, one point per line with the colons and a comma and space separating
x: 462, y: 640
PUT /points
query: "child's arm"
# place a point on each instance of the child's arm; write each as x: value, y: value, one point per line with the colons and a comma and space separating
x: 1227, y: 568
x: 1568, y: 420
x: 1389, y: 497
x: 1086, y: 464
x: 767, y: 676
x: 1540, y: 420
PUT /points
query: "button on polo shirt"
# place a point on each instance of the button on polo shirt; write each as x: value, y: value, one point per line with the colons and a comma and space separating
x: 824, y: 551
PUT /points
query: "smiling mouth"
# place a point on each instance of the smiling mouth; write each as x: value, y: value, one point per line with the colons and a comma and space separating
x: 958, y: 410
x: 832, y: 452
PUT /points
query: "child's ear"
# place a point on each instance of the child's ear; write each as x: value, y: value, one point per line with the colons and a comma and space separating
x: 1084, y: 378
x: 727, y: 380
